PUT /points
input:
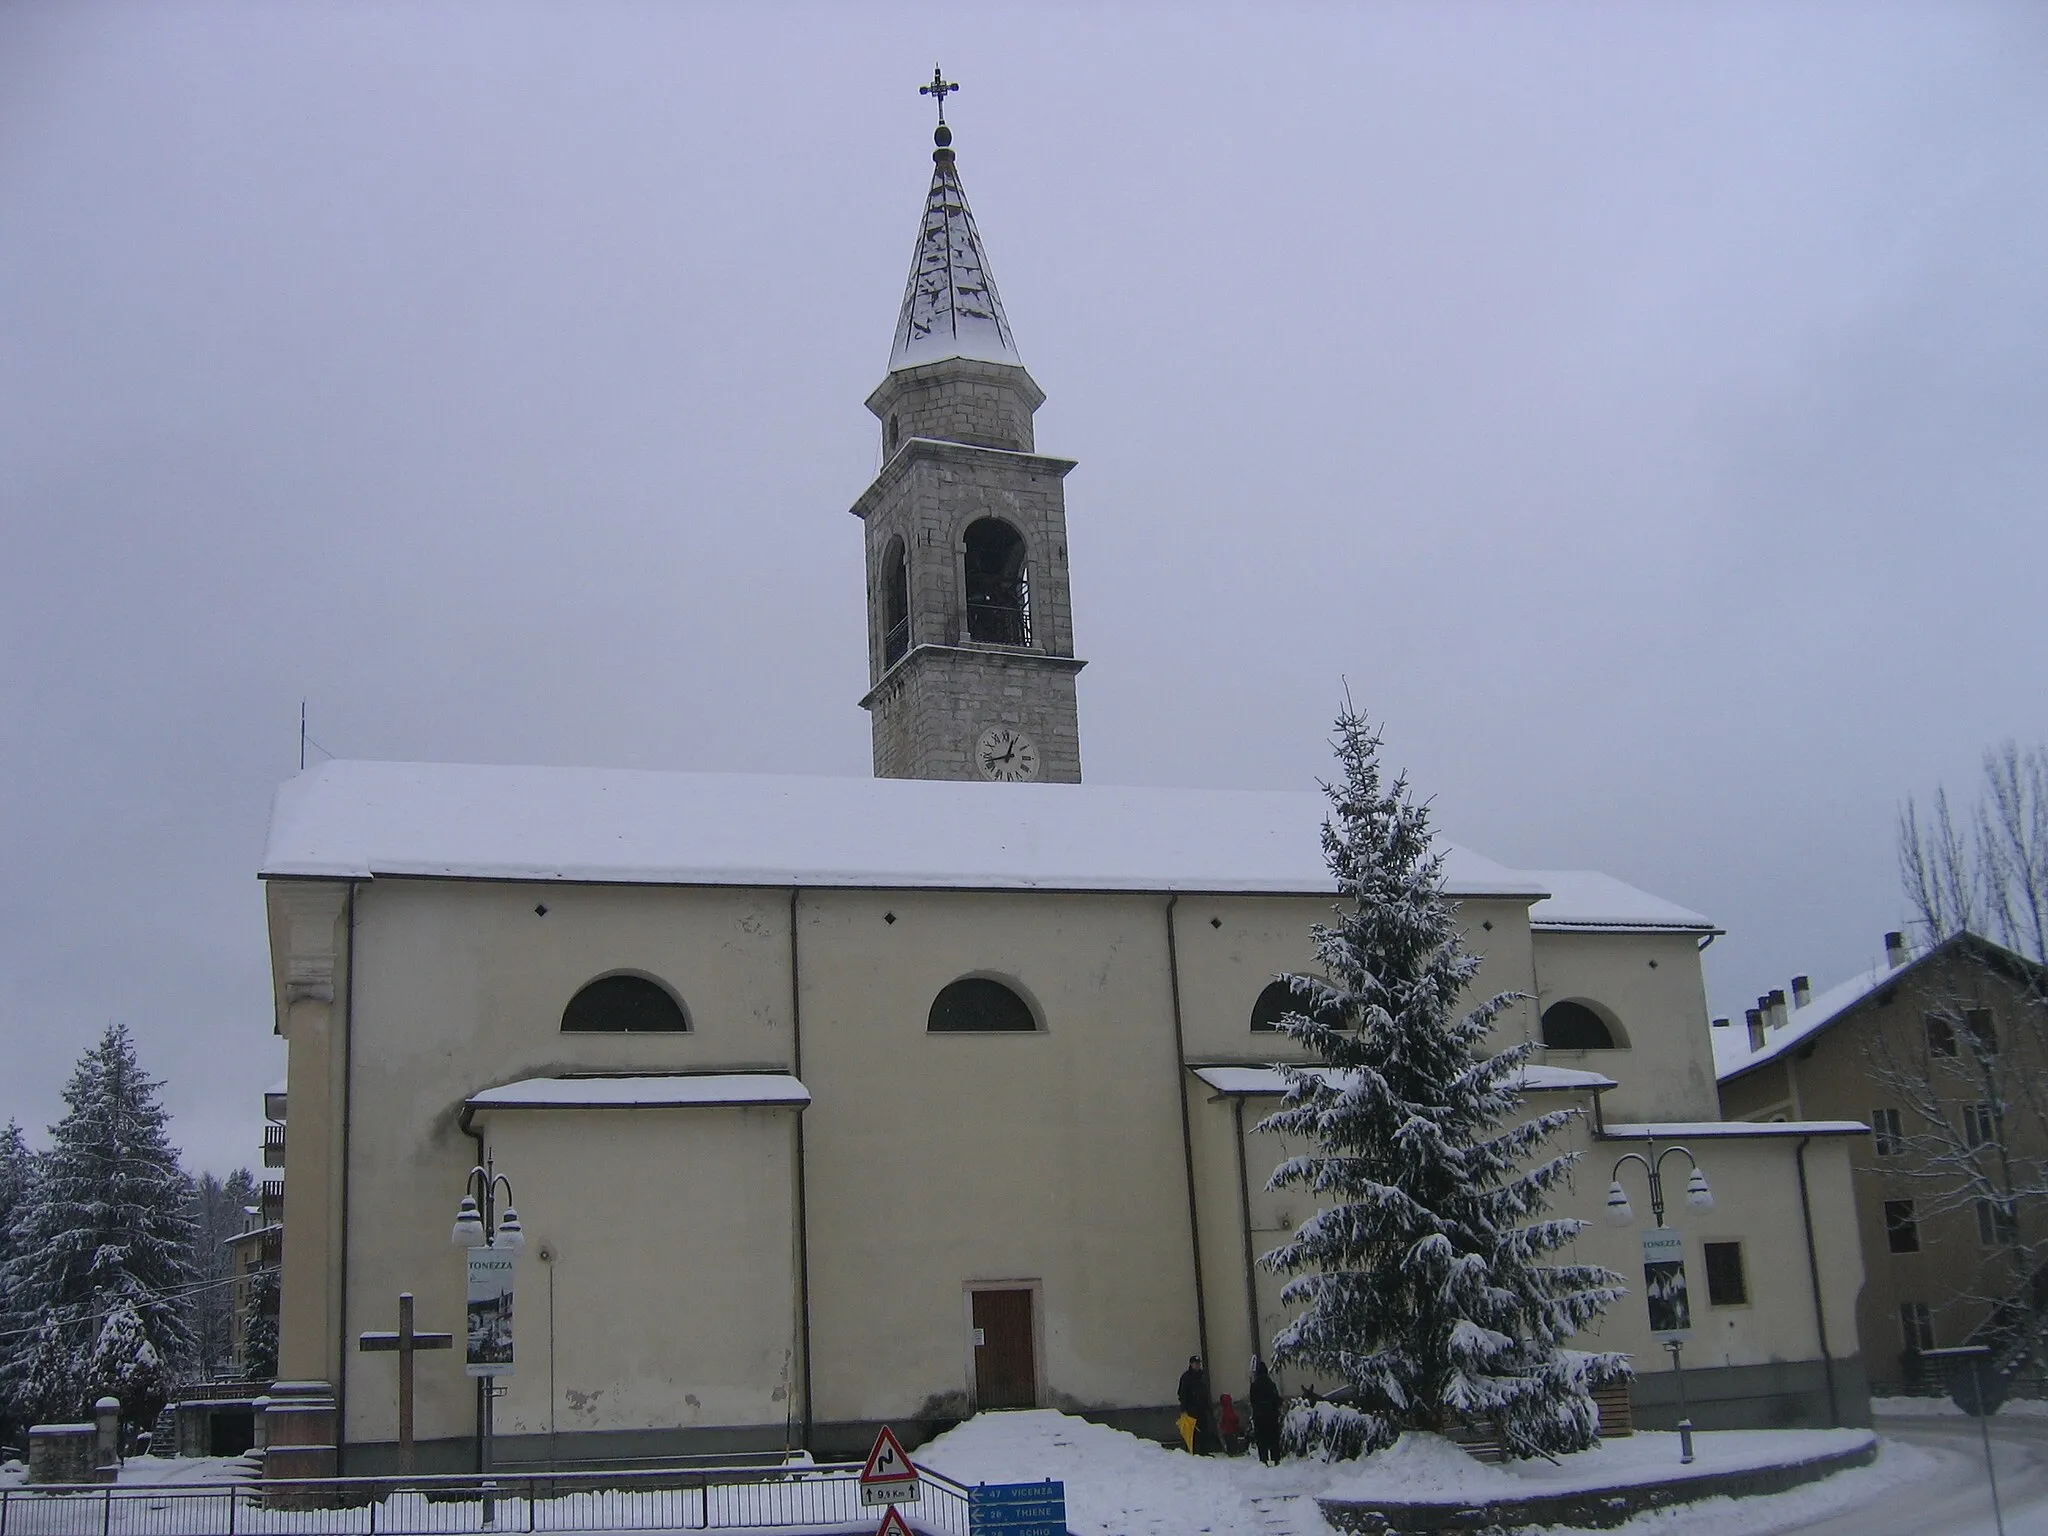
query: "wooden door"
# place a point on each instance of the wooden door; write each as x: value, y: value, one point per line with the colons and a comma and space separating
x: 1005, y: 1370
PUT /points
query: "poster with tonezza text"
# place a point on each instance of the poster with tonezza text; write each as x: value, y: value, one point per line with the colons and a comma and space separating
x: 1664, y: 1283
x: 490, y: 1312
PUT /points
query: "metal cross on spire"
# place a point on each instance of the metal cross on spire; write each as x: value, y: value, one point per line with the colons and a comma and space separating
x: 937, y: 89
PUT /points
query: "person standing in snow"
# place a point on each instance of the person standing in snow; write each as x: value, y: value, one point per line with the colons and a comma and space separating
x: 1265, y: 1401
x: 1229, y: 1429
x: 1194, y: 1402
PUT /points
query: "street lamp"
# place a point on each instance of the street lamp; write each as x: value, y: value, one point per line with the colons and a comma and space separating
x: 478, y: 1224
x: 1621, y: 1214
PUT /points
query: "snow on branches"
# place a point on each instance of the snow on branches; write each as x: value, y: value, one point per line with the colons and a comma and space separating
x: 1425, y: 1279
x: 99, y: 1249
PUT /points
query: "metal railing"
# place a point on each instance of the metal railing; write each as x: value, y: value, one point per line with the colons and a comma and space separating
x: 896, y: 643
x: 271, y: 1201
x: 998, y: 623
x: 273, y: 1146
x: 699, y: 1499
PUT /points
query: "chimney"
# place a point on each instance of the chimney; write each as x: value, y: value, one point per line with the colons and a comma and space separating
x: 1720, y: 1023
x: 1755, y: 1019
x: 1894, y: 950
x: 1777, y: 1004
x: 1802, y: 991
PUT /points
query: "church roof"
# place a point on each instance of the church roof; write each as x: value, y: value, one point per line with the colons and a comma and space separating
x: 950, y: 306
x: 359, y: 820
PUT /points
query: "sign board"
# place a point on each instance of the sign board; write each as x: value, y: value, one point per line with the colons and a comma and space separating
x: 888, y: 1477
x: 490, y: 1312
x: 892, y: 1524
x: 1664, y: 1283
x: 1017, y: 1509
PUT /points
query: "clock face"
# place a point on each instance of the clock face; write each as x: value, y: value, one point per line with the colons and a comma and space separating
x: 1006, y: 755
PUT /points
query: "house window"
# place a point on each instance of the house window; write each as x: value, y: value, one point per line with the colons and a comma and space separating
x: 1884, y: 1125
x: 976, y: 1005
x: 1726, y: 1285
x: 1916, y: 1325
x: 1572, y: 1026
x: 1941, y: 1036
x: 998, y: 596
x: 1277, y: 1001
x: 1979, y: 1129
x: 1996, y: 1226
x: 624, y: 1005
x: 1901, y: 1228
x: 1983, y: 1033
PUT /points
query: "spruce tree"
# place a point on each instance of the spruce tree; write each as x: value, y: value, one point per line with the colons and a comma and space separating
x: 1424, y: 1277
x: 102, y: 1248
x: 17, y: 1175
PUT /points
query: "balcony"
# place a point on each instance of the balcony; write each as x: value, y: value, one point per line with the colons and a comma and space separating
x: 272, y: 1202
x: 273, y: 1146
x: 998, y: 623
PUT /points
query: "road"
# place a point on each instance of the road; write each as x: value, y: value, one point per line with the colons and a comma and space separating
x: 1955, y: 1500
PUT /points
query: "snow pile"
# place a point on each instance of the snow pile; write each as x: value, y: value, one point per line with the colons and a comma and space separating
x: 1425, y: 1469
x: 1121, y: 1485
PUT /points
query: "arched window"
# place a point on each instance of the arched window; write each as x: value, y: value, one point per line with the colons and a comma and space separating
x: 998, y: 597
x: 624, y: 1005
x: 895, y: 603
x: 1572, y: 1026
x: 1275, y: 1003
x: 976, y: 1005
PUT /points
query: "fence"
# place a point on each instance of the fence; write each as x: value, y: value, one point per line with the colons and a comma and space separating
x: 700, y: 1499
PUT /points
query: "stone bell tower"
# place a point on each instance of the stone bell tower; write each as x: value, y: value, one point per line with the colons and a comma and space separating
x: 970, y: 628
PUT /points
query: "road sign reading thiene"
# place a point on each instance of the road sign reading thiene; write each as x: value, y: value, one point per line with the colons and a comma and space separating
x: 888, y: 1477
x: 1017, y: 1509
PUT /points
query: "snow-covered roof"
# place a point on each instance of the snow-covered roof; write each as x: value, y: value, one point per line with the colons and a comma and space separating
x: 1695, y: 1130
x: 700, y: 1089
x: 1732, y: 1055
x: 950, y: 307
x: 1588, y: 900
x: 359, y: 820
x: 1263, y: 1082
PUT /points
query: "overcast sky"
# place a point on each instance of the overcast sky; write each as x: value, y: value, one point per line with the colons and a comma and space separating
x: 1642, y: 406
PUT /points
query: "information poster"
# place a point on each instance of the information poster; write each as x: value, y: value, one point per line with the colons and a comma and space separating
x: 1664, y: 1282
x: 490, y: 1312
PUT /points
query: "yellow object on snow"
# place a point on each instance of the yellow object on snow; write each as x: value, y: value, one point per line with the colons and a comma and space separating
x: 1187, y: 1432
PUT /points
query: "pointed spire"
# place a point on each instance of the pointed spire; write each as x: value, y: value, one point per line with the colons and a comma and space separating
x: 950, y: 307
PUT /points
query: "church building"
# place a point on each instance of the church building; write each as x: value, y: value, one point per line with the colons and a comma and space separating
x: 825, y: 1103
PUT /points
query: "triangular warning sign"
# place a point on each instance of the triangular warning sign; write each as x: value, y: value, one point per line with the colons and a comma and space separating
x: 892, y: 1525
x: 886, y: 1462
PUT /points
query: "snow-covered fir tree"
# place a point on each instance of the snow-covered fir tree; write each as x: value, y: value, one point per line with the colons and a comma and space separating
x: 1427, y: 1277
x: 258, y: 1360
x: 219, y: 1212
x: 105, y: 1233
x: 17, y: 1173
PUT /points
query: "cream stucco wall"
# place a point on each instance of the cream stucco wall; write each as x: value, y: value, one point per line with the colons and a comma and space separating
x: 1653, y: 984
x: 658, y: 1284
x: 933, y: 1164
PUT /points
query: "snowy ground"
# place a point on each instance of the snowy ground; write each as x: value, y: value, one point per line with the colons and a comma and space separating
x: 1119, y: 1485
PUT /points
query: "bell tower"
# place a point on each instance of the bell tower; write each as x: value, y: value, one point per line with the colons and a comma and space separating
x: 971, y: 659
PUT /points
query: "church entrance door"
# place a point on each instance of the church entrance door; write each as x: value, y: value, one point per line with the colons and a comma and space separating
x: 1005, y: 1370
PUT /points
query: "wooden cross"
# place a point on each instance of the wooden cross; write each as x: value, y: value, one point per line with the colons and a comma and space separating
x: 938, y: 88
x: 405, y: 1341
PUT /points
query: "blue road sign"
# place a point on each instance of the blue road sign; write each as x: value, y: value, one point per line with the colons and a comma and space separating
x: 1018, y: 1509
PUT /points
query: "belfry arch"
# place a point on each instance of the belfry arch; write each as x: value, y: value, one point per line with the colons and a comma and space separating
x: 998, y: 588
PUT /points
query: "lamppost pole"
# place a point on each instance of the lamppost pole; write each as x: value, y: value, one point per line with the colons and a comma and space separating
x: 1620, y: 1214
x: 479, y: 1225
